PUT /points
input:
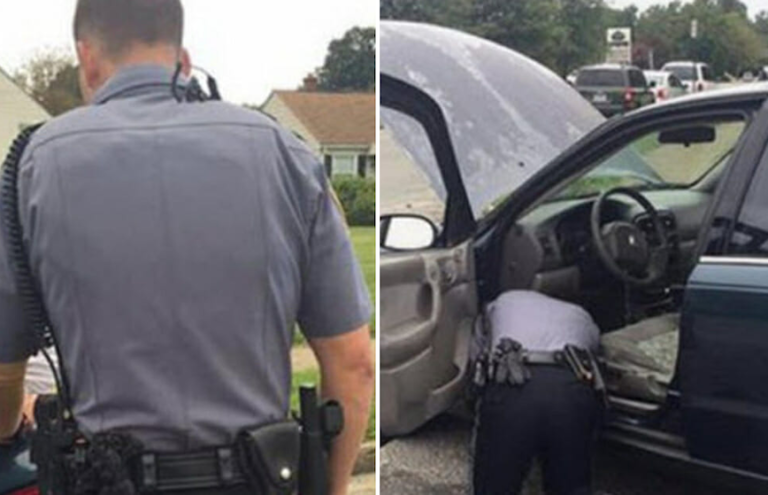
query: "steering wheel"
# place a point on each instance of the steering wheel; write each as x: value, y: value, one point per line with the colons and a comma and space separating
x: 624, y: 249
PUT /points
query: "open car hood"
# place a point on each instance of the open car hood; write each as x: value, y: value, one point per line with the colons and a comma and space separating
x: 507, y: 115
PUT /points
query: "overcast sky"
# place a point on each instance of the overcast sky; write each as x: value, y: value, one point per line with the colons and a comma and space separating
x: 754, y: 6
x: 250, y: 46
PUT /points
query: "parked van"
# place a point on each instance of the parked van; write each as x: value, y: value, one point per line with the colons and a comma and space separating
x: 696, y: 76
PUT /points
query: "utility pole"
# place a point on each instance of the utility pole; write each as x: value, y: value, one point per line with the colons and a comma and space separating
x: 694, y: 36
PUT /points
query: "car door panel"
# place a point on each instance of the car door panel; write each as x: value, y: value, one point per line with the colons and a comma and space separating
x: 724, y: 368
x: 412, y: 292
x: 722, y: 365
x: 428, y: 308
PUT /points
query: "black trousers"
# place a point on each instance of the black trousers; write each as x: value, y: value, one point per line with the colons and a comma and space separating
x: 553, y: 417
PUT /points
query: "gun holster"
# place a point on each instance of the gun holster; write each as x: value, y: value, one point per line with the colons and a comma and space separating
x: 269, y: 457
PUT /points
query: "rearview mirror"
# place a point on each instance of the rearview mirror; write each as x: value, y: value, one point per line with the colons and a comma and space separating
x: 688, y: 135
x: 407, y: 232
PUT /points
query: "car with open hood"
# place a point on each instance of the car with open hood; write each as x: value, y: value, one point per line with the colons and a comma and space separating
x: 496, y: 175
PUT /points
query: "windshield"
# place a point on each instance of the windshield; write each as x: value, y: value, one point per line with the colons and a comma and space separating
x: 600, y: 77
x: 507, y: 115
x: 649, y: 164
x: 684, y: 72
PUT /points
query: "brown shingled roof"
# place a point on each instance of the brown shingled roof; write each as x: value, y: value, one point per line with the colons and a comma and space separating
x: 335, y: 118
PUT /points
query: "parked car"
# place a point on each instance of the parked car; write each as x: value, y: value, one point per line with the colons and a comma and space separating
x: 571, y: 77
x: 614, y: 88
x: 664, y: 85
x: 754, y: 75
x: 540, y: 192
x: 748, y: 76
x: 696, y: 76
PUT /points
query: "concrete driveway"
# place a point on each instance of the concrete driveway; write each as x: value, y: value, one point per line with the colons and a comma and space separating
x: 435, y: 460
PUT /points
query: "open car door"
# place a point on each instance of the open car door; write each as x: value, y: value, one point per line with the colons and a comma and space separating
x: 427, y: 290
x: 723, y: 361
x: 464, y: 122
x: 428, y: 307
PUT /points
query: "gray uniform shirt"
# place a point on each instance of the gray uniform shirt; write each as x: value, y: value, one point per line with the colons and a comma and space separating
x: 177, y: 244
x: 541, y: 323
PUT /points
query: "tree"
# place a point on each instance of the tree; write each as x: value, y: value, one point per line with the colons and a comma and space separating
x: 566, y: 34
x: 351, y: 62
x: 51, y: 78
x: 727, y: 40
x: 583, y: 41
x: 451, y: 13
x: 736, y: 6
x: 413, y: 10
x: 761, y: 24
x: 532, y: 27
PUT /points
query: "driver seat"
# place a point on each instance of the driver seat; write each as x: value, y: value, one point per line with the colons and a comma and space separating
x: 640, y: 358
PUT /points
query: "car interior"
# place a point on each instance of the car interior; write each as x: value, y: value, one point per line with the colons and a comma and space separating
x: 620, y: 240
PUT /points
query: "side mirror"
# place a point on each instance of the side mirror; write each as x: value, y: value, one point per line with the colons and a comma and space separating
x: 407, y: 232
x: 652, y: 84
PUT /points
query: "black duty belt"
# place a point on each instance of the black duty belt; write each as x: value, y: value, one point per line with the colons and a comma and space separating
x: 509, y: 361
x: 205, y: 469
x: 554, y: 358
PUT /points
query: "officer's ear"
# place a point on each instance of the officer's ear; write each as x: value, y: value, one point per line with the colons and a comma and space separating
x: 186, y: 62
x: 90, y: 71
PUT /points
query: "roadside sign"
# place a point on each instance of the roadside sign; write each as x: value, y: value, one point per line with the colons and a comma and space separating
x: 694, y: 29
x: 619, y: 45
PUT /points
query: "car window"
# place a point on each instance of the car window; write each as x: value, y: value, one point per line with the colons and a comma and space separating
x: 600, y: 77
x: 674, y: 82
x: 637, y: 79
x: 750, y: 236
x: 684, y: 72
x: 647, y: 163
x: 411, y: 180
x: 706, y: 73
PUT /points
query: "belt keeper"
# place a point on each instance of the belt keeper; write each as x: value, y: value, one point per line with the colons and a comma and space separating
x: 149, y: 470
x: 226, y: 466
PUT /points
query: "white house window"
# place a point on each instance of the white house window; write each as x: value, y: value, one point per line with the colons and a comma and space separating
x: 344, y: 165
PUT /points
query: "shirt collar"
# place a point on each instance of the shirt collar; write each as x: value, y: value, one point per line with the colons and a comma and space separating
x: 136, y: 78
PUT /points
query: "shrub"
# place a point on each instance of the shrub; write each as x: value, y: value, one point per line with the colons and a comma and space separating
x: 358, y: 197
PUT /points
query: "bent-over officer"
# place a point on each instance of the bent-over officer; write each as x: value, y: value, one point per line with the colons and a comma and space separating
x: 176, y: 240
x: 538, y: 383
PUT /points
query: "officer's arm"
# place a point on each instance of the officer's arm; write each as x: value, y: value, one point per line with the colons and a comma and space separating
x: 348, y: 376
x: 11, y: 397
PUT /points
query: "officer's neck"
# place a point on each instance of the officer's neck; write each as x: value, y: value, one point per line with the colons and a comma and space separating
x: 140, y: 54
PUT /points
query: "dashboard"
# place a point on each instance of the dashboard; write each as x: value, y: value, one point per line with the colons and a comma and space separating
x: 551, y: 249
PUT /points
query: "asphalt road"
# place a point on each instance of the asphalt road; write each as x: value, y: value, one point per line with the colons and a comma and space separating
x: 435, y: 460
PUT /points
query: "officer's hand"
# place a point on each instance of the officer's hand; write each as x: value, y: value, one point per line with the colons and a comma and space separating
x: 29, y: 407
x: 348, y: 375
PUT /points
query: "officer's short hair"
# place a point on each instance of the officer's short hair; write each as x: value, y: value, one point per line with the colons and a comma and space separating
x: 118, y: 24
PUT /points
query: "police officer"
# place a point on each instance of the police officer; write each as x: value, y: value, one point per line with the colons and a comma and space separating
x: 538, y: 396
x: 176, y: 243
